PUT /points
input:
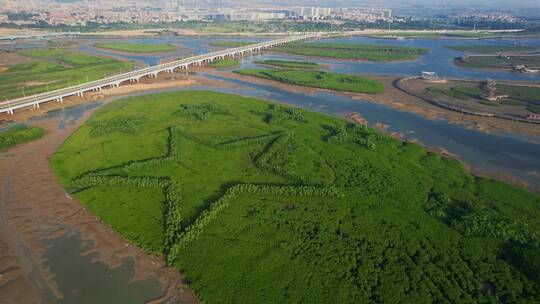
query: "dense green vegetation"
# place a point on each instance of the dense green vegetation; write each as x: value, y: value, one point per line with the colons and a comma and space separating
x: 52, y: 69
x: 352, y: 51
x: 318, y: 79
x: 225, y: 63
x: 137, y: 47
x: 230, y: 43
x: 498, y: 62
x: 489, y: 48
x: 18, y: 134
x: 271, y: 204
x: 290, y: 64
x: 423, y: 34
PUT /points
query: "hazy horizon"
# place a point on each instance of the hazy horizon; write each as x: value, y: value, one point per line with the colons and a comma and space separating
x: 404, y: 3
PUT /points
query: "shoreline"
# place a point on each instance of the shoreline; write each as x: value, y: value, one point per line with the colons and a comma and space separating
x: 56, y: 205
x: 392, y: 96
x: 36, y: 208
x: 177, y: 47
x: 476, y: 172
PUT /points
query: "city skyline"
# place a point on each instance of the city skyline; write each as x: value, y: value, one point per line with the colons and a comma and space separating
x: 329, y: 3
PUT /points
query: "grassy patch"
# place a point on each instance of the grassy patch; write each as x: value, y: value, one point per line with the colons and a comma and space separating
x: 319, y: 79
x: 461, y: 93
x: 268, y: 203
x: 525, y: 96
x: 489, y: 48
x: 352, y: 51
x: 137, y: 47
x: 497, y: 62
x: 290, y: 64
x: 534, y: 109
x: 19, y: 134
x: 52, y: 69
x: 224, y: 63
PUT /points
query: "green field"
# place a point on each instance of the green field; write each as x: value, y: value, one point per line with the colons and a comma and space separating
x: 137, y: 47
x: 319, y: 79
x: 433, y: 35
x: 486, y: 49
x: 230, y: 44
x: 521, y: 96
x: 18, y: 134
x: 290, y: 64
x: 225, y: 63
x: 52, y: 69
x: 262, y: 203
x: 496, y: 62
x: 352, y: 51
x: 528, y: 97
x: 461, y: 93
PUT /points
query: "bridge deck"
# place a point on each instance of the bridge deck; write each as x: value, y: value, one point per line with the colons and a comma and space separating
x: 116, y: 80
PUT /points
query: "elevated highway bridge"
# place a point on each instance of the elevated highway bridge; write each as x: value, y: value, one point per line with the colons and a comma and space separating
x: 114, y: 81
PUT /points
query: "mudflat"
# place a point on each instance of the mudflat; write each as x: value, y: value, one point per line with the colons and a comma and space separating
x: 35, y: 208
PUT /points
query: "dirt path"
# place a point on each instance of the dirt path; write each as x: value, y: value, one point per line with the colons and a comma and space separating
x: 34, y: 207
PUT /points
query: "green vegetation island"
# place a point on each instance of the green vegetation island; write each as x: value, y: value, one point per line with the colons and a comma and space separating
x: 352, y: 51
x: 262, y: 202
x: 18, y: 134
x: 500, y: 62
x: 51, y: 69
x: 486, y: 49
x: 290, y: 64
x: 225, y: 63
x: 137, y: 47
x: 318, y: 79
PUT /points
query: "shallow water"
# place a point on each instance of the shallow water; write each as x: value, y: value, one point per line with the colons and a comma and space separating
x: 439, y: 59
x: 69, y: 115
x: 189, y: 46
x: 81, y: 280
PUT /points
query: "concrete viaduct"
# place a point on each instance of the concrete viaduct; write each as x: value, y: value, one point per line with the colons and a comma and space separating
x: 114, y: 81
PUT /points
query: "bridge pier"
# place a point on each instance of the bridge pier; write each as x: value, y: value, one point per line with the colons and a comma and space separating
x: 179, y: 66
